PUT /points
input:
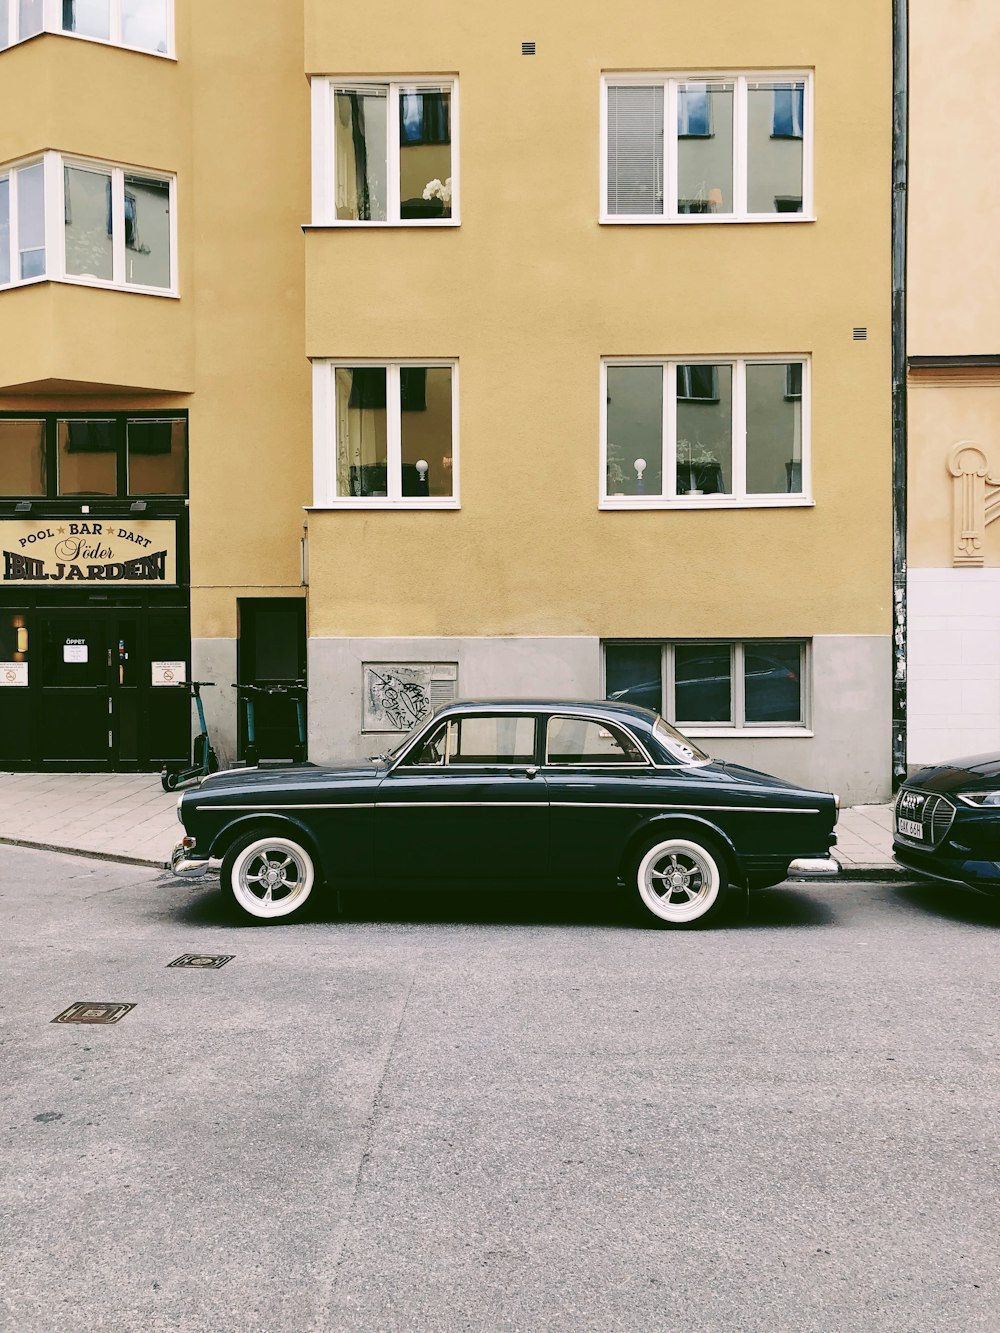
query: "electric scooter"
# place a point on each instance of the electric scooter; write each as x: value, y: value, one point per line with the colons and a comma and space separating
x: 204, y: 760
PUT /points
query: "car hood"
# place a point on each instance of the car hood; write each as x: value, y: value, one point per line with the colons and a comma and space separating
x: 976, y: 772
x: 299, y: 775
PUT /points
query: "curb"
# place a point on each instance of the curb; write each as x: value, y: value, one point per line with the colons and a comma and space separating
x: 80, y: 851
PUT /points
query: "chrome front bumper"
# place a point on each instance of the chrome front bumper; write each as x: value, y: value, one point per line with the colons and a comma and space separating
x: 183, y: 860
x: 813, y: 867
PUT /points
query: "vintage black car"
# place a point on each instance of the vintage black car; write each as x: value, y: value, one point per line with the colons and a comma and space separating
x: 947, y: 822
x: 500, y: 794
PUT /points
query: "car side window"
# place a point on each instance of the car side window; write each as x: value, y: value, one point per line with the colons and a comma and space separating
x: 495, y: 742
x: 580, y: 740
x: 431, y: 752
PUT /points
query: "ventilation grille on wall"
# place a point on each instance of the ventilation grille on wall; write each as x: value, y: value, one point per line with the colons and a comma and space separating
x: 860, y: 335
x: 527, y: 48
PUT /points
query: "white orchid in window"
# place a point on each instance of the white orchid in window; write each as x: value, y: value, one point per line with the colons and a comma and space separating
x: 437, y: 189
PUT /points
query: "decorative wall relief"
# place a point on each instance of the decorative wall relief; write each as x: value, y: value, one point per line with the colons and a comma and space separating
x: 976, y: 493
x: 399, y: 695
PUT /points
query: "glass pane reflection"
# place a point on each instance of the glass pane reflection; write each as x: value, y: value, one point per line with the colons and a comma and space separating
x: 426, y: 430
x: 775, y: 147
x: 362, y: 446
x: 88, y: 458
x: 22, y: 457
x: 425, y: 153
x: 703, y: 682
x: 147, y: 232
x: 360, y: 138
x: 771, y: 674
x: 705, y: 148
x: 87, y: 211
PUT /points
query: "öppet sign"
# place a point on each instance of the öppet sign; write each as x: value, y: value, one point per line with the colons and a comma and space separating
x: 89, y: 550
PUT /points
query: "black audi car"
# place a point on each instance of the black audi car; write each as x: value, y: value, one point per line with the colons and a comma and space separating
x: 492, y: 795
x: 947, y: 823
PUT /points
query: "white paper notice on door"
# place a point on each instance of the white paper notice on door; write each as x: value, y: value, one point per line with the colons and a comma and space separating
x: 13, y: 673
x: 75, y: 652
x: 168, y: 673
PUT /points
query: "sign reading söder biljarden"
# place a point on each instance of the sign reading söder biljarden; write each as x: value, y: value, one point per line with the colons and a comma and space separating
x: 88, y: 551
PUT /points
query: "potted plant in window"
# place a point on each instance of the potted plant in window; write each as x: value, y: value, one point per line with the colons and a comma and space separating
x: 698, y: 470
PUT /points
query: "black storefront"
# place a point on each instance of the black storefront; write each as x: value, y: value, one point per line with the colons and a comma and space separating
x: 94, y: 591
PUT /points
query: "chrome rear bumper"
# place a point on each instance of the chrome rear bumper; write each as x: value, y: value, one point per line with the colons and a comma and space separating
x: 813, y: 867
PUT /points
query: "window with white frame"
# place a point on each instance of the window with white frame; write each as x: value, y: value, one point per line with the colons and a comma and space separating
x: 384, y: 152
x: 713, y: 685
x: 733, y: 148
x: 386, y: 434
x: 141, y: 25
x: 76, y: 220
x: 702, y: 432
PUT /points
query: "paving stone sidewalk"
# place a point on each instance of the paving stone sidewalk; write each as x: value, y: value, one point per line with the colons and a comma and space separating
x: 129, y: 817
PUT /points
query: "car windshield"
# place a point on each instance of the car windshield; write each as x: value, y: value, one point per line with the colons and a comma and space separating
x: 679, y: 746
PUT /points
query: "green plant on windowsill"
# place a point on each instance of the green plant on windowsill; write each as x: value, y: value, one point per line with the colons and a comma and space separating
x: 699, y: 461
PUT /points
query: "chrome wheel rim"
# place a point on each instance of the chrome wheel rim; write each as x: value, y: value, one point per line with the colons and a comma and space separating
x: 678, y: 880
x: 272, y: 877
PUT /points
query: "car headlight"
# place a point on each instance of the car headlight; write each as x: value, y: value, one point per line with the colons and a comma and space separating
x: 180, y: 817
x: 979, y: 797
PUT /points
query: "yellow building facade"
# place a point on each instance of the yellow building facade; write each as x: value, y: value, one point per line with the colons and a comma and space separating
x: 953, y: 332
x: 531, y: 357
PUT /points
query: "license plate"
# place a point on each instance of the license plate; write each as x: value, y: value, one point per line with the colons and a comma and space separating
x: 912, y: 828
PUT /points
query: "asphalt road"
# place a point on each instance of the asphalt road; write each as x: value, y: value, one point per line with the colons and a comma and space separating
x: 496, y: 1115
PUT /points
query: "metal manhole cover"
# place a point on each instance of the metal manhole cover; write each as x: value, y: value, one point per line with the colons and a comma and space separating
x: 93, y: 1011
x: 202, y: 960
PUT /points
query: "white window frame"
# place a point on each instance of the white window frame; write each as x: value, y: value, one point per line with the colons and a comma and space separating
x: 325, y: 436
x: 324, y: 184
x: 741, y: 81
x: 52, y: 23
x: 738, y: 726
x: 55, y: 228
x: 739, y: 499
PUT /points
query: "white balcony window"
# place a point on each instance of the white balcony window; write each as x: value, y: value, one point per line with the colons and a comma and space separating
x: 76, y: 220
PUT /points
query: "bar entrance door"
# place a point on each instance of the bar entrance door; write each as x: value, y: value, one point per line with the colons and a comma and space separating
x: 93, y: 691
x: 75, y: 712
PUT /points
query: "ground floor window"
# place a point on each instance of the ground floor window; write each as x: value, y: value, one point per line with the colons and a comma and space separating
x: 713, y: 685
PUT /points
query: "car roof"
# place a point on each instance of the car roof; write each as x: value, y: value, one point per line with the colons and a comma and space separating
x: 607, y: 708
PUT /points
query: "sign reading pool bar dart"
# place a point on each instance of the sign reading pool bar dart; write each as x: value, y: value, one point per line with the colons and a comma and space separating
x: 89, y: 551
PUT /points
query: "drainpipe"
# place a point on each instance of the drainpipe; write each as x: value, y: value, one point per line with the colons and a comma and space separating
x: 900, y: 95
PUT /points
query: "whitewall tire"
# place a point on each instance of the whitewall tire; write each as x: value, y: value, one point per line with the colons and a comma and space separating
x: 269, y: 876
x: 681, y: 880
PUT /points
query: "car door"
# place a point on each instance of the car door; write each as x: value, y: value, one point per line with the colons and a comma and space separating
x: 468, y: 805
x: 596, y: 775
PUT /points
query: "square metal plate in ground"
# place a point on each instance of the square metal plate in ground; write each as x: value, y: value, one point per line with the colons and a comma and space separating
x: 203, y: 960
x: 93, y: 1011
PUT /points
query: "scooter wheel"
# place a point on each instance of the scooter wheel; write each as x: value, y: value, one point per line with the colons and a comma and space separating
x: 168, y: 778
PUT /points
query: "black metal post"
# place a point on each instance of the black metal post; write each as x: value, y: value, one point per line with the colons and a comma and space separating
x: 900, y: 113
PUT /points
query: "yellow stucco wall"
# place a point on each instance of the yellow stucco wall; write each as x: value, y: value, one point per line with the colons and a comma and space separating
x: 231, y: 119
x: 953, y: 295
x: 530, y: 292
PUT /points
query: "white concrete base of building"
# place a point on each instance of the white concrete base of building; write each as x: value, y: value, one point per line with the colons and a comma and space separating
x: 846, y: 747
x: 215, y: 659
x: 953, y: 663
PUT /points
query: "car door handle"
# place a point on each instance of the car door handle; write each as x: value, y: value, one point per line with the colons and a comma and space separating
x: 531, y: 771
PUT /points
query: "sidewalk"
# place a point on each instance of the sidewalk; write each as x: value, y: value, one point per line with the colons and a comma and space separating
x: 129, y: 817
